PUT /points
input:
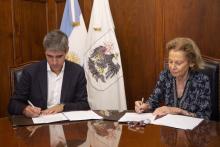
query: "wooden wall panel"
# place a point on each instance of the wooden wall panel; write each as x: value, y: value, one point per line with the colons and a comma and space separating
x: 86, y: 8
x: 55, y: 13
x: 6, y: 45
x: 197, y: 19
x: 59, y: 12
x: 29, y: 29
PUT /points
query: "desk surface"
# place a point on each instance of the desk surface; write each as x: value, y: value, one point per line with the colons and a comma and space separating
x: 98, y: 133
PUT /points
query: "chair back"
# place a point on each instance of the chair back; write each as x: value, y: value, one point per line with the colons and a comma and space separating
x: 212, y: 71
x: 16, y: 72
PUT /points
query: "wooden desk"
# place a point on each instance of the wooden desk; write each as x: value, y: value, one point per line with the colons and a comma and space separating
x: 99, y: 133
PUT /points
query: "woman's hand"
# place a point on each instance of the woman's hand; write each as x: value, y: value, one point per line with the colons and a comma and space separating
x: 164, y: 110
x: 140, y: 106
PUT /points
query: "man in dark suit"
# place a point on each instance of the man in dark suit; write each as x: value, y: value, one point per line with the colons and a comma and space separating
x: 50, y: 86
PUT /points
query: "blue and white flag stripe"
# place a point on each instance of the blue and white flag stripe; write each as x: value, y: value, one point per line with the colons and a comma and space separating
x: 73, y: 25
x: 71, y: 14
x: 76, y: 10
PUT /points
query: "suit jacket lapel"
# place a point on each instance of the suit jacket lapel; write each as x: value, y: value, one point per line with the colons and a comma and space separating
x: 65, y: 84
x: 43, y: 80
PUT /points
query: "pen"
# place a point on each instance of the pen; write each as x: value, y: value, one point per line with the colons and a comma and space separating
x: 142, y: 100
x: 37, y: 111
x: 141, y: 109
x: 29, y: 102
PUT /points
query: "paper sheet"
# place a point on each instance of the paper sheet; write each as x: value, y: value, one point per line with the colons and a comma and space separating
x: 178, y: 121
x: 136, y: 117
x: 49, y: 118
x: 81, y: 115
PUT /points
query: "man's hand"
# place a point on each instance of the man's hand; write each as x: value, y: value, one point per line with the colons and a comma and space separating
x: 30, y: 111
x: 55, y: 109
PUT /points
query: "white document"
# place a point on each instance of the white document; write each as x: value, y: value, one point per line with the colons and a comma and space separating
x: 136, y: 117
x: 49, y: 118
x: 178, y: 121
x: 81, y: 115
x: 175, y: 121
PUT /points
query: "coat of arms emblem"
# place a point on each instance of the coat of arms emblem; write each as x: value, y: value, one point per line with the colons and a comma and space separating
x: 102, y: 62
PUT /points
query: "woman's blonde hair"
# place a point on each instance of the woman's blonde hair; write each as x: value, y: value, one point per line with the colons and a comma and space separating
x: 191, y: 50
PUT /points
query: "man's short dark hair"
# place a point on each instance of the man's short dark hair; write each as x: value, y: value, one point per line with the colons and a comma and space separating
x: 56, y: 40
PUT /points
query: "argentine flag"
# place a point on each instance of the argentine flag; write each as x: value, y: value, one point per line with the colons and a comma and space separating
x: 74, y: 26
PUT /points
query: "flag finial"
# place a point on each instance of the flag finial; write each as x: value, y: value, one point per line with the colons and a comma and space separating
x: 75, y: 24
x: 97, y: 29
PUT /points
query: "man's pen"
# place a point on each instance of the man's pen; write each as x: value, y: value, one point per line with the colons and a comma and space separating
x: 29, y: 102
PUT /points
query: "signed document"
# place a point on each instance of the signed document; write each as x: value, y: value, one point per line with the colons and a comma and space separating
x: 131, y: 116
x: 81, y: 115
x: 49, y: 118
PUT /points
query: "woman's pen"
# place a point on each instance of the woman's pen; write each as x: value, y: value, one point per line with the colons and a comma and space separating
x: 142, y: 100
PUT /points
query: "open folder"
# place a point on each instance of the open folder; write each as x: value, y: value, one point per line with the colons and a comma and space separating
x: 21, y: 120
x: 71, y: 116
x: 175, y: 121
